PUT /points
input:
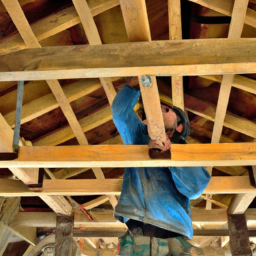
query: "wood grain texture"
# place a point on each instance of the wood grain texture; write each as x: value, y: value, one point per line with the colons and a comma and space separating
x: 164, y: 58
x: 175, y: 33
x: 134, y: 156
x: 93, y: 37
x: 54, y: 24
x: 235, y: 31
x: 240, y: 82
x: 48, y: 102
x: 226, y: 7
x: 57, y: 188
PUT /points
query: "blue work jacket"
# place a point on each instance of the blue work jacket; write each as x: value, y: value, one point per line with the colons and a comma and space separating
x: 157, y: 195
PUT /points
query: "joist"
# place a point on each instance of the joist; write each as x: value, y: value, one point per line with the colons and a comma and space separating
x: 233, y: 154
x: 217, y: 185
x: 138, y: 30
x: 235, y: 31
x: 93, y: 37
x: 106, y: 218
x: 54, y: 24
x: 226, y: 7
x: 240, y: 82
x: 175, y: 33
x: 217, y: 56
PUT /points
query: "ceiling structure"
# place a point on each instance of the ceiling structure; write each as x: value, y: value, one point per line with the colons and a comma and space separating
x: 75, y: 56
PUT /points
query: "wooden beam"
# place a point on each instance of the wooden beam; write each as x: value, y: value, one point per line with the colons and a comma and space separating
x: 233, y: 154
x: 104, y: 219
x: 235, y: 31
x: 93, y: 37
x: 87, y: 123
x: 226, y: 7
x: 240, y: 82
x: 175, y: 33
x: 64, y: 236
x: 240, y: 203
x: 138, y: 30
x: 53, y: 24
x: 217, y: 56
x: 217, y: 185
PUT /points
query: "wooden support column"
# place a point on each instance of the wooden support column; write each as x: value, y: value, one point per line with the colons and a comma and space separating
x: 175, y: 33
x: 137, y: 28
x: 64, y: 235
x: 239, y: 239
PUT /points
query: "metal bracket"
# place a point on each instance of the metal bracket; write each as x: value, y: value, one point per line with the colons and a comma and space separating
x: 38, y: 186
x: 6, y: 156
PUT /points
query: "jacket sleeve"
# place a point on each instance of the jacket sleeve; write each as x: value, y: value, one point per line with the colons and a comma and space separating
x: 127, y: 122
x: 190, y: 181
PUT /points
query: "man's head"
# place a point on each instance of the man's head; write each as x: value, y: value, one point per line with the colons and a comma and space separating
x: 171, y: 120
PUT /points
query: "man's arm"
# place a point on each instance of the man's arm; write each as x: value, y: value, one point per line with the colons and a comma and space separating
x: 130, y: 127
x: 190, y: 181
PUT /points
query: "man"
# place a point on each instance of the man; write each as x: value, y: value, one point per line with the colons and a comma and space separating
x: 155, y: 199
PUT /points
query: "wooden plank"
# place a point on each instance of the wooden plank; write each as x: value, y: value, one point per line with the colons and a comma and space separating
x: 217, y: 56
x: 235, y: 31
x: 240, y: 82
x: 175, y: 33
x: 105, y: 218
x: 87, y: 123
x: 96, y: 202
x: 240, y: 203
x: 5, y: 240
x: 54, y: 24
x: 233, y: 154
x: 217, y: 185
x: 28, y: 176
x: 93, y: 37
x: 138, y: 30
x: 226, y: 7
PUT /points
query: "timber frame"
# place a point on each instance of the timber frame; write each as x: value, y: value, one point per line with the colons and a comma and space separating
x: 98, y: 65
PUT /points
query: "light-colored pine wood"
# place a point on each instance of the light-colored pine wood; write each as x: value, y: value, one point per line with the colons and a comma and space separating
x: 93, y: 37
x: 235, y: 31
x: 217, y: 56
x: 42, y: 105
x: 105, y: 219
x: 56, y: 188
x: 230, y: 154
x: 28, y: 176
x: 175, y: 33
x: 226, y: 7
x: 240, y: 203
x: 54, y: 24
x: 87, y: 123
x: 95, y: 202
x: 240, y: 82
x: 29, y: 38
x: 138, y: 30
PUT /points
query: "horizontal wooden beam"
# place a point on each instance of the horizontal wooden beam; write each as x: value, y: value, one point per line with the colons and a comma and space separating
x: 230, y: 154
x: 106, y: 218
x: 181, y: 57
x: 217, y: 185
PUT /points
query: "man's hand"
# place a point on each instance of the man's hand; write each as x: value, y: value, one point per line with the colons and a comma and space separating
x: 156, y: 145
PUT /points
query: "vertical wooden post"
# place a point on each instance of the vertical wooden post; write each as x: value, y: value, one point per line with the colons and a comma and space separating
x: 238, y: 233
x: 64, y: 235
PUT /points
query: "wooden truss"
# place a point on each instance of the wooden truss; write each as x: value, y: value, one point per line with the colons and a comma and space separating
x: 141, y: 56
